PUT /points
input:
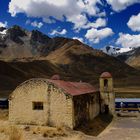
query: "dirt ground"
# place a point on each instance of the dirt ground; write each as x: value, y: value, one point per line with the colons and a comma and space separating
x: 125, y: 128
x: 121, y: 128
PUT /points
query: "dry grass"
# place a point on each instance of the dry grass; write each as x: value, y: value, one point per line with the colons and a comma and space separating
x: 18, y: 133
x: 49, y: 131
x: 128, y: 89
x: 30, y: 132
x: 3, y: 114
x: 127, y: 92
x: 15, y: 133
x: 12, y: 132
x: 21, y: 132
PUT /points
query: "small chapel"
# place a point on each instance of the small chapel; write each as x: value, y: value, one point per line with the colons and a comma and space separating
x: 55, y: 102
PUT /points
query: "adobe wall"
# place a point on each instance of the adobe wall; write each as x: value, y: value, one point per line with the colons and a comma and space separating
x: 57, y: 109
x: 20, y: 105
x: 61, y: 109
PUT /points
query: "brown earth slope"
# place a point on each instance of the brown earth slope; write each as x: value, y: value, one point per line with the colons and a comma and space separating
x: 83, y: 67
x: 70, y: 58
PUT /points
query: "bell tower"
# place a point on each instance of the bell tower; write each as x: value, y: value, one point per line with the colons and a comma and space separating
x: 107, y: 95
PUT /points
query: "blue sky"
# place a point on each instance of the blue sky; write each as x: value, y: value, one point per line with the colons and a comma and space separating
x: 95, y: 22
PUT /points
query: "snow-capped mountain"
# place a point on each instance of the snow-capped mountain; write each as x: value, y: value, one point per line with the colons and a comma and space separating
x: 131, y: 56
x: 3, y: 32
x: 111, y: 50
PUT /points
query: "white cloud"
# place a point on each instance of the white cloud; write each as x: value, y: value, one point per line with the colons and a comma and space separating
x: 134, y: 23
x: 5, y: 24
x: 70, y: 10
x: 90, y: 7
x: 55, y: 32
x: 35, y: 23
x: 94, y: 35
x: 78, y: 20
x: 43, y: 8
x: 102, y: 14
x: 118, y: 5
x: 100, y: 22
x: 127, y: 40
x: 79, y: 38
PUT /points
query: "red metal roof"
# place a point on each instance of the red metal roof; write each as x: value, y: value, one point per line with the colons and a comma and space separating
x: 106, y: 75
x: 74, y: 88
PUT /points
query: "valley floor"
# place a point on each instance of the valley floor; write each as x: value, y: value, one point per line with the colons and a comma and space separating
x: 128, y: 92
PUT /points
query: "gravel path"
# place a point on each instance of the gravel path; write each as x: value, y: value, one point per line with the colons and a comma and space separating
x: 122, y: 129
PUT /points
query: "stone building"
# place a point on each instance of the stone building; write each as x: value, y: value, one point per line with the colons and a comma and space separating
x: 55, y: 102
x: 107, y: 95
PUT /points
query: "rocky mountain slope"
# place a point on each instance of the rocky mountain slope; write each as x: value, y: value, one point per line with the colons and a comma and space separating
x: 26, y: 55
x: 16, y: 42
x: 132, y: 58
x: 85, y: 68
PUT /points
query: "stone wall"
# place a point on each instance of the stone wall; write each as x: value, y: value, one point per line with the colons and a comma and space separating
x: 61, y: 108
x: 57, y: 108
x: 21, y: 108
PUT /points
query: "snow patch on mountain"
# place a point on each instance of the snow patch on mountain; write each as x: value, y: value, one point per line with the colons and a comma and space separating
x: 3, y: 32
x: 112, y: 50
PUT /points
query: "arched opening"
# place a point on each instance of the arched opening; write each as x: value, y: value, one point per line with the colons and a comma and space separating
x: 106, y: 83
x: 106, y: 109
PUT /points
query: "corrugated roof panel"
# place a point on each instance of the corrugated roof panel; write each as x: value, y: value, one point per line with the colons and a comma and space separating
x: 74, y: 88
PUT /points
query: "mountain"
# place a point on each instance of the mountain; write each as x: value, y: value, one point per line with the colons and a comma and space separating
x: 83, y: 67
x: 14, y: 73
x: 30, y: 54
x: 132, y: 57
x: 16, y: 42
x: 114, y: 51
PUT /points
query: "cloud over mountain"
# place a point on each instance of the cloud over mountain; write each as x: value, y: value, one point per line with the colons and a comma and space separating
x: 95, y: 35
x: 74, y: 11
x: 127, y: 40
x: 3, y: 24
x: 55, y: 32
x: 134, y: 22
x: 87, y: 20
x: 35, y: 23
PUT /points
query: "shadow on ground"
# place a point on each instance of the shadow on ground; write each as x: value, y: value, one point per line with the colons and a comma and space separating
x: 95, y: 127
